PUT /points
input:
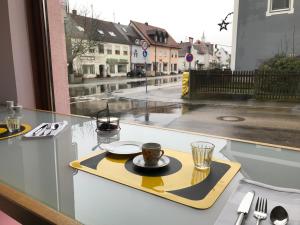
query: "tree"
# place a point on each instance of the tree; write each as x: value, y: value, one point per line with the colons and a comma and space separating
x: 81, y: 35
x: 281, y: 63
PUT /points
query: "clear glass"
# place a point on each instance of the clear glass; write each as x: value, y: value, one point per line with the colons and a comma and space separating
x: 202, y: 154
x: 13, y: 123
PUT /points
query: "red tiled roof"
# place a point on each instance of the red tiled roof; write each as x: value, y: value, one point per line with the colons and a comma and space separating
x: 146, y: 29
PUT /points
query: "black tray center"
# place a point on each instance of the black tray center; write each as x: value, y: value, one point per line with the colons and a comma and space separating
x: 174, y: 166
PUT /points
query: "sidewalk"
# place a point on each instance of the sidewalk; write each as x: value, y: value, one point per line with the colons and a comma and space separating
x: 172, y: 93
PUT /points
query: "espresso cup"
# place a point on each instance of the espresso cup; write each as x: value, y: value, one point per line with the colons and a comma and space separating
x: 152, y: 153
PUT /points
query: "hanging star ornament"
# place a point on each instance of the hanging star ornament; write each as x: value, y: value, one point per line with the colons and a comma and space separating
x: 224, y: 24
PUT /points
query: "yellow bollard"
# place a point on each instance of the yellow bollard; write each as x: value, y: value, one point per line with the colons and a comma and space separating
x: 185, y: 83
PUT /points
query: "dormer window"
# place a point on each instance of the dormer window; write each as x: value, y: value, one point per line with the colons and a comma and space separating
x: 80, y: 28
x: 280, y: 7
x: 112, y: 34
x: 100, y: 32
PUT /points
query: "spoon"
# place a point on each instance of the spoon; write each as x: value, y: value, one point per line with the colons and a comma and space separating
x: 279, y: 216
x: 53, y: 128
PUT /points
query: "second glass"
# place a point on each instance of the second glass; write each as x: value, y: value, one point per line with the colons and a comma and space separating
x: 202, y: 154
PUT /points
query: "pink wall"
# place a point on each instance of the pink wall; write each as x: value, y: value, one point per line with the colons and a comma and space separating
x: 21, y: 53
x: 15, y: 59
x: 58, y: 55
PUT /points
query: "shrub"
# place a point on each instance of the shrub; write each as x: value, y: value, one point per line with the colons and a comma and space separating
x: 281, y: 63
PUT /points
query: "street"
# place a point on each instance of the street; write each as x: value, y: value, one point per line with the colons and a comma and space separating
x: 268, y: 122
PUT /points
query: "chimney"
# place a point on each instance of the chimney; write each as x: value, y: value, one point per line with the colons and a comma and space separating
x: 146, y: 23
x: 74, y: 12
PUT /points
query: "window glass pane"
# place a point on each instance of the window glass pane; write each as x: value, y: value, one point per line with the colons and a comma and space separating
x: 112, y: 68
x: 280, y: 4
x: 122, y: 68
x: 101, y: 48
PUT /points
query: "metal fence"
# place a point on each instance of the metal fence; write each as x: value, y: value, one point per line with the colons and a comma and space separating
x: 271, y: 85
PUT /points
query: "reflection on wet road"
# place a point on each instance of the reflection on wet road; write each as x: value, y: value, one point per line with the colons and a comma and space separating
x: 275, y: 124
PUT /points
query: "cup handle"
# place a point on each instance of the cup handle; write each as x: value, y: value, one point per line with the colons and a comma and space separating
x: 162, y: 153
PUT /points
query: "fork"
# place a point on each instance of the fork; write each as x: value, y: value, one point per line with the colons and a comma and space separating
x: 260, y: 212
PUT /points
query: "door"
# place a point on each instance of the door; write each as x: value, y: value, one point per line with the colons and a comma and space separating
x: 101, y: 70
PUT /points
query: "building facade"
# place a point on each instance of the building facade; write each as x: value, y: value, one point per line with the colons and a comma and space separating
x: 106, y: 51
x: 137, y: 59
x: 163, y: 49
x: 262, y: 29
x: 198, y: 58
x: 223, y: 58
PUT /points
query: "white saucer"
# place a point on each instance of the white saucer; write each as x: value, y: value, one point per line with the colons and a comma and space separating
x: 162, y: 162
x: 123, y: 147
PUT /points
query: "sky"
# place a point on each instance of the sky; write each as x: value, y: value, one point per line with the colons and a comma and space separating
x: 182, y: 19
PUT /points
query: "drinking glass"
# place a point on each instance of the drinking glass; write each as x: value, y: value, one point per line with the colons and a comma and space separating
x: 13, y: 123
x: 202, y: 154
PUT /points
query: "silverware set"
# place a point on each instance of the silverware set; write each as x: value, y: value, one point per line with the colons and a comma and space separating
x: 46, y: 130
x: 278, y: 216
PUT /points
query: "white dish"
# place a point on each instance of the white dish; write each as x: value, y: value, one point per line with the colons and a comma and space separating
x: 123, y: 147
x: 162, y: 162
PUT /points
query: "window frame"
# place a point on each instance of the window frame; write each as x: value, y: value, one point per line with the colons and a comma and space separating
x: 271, y: 12
x: 101, y: 49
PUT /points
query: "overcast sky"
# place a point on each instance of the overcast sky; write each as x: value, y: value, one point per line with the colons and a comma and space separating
x: 180, y: 18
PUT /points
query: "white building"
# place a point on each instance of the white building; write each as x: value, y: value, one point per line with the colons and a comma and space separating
x: 108, y: 52
x: 223, y: 58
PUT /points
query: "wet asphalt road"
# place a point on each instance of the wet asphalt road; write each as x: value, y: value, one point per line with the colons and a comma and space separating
x: 277, y: 124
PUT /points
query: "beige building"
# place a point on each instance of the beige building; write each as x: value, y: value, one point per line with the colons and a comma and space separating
x: 163, y: 49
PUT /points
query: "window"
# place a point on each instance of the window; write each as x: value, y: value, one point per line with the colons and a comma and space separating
x: 124, y: 29
x: 91, y: 50
x: 175, y: 67
x: 88, y: 69
x: 100, y: 32
x: 122, y: 68
x: 117, y: 50
x: 280, y: 7
x: 112, y: 68
x: 101, y: 49
x: 112, y: 34
x: 80, y: 28
x: 165, y: 67
x: 109, y: 50
x: 125, y: 52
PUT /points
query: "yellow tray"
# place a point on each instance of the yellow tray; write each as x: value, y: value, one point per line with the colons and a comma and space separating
x: 5, y: 134
x: 179, y: 181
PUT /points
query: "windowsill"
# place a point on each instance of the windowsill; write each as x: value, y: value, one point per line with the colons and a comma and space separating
x: 279, y: 12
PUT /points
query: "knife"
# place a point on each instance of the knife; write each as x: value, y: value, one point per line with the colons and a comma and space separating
x: 40, y: 129
x: 244, y: 207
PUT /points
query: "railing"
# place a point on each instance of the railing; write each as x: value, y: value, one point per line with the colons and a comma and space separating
x: 271, y: 85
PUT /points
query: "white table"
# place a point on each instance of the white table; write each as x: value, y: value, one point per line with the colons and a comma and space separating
x: 39, y: 168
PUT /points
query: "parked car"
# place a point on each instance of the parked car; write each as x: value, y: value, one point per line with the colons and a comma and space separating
x: 136, y: 73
